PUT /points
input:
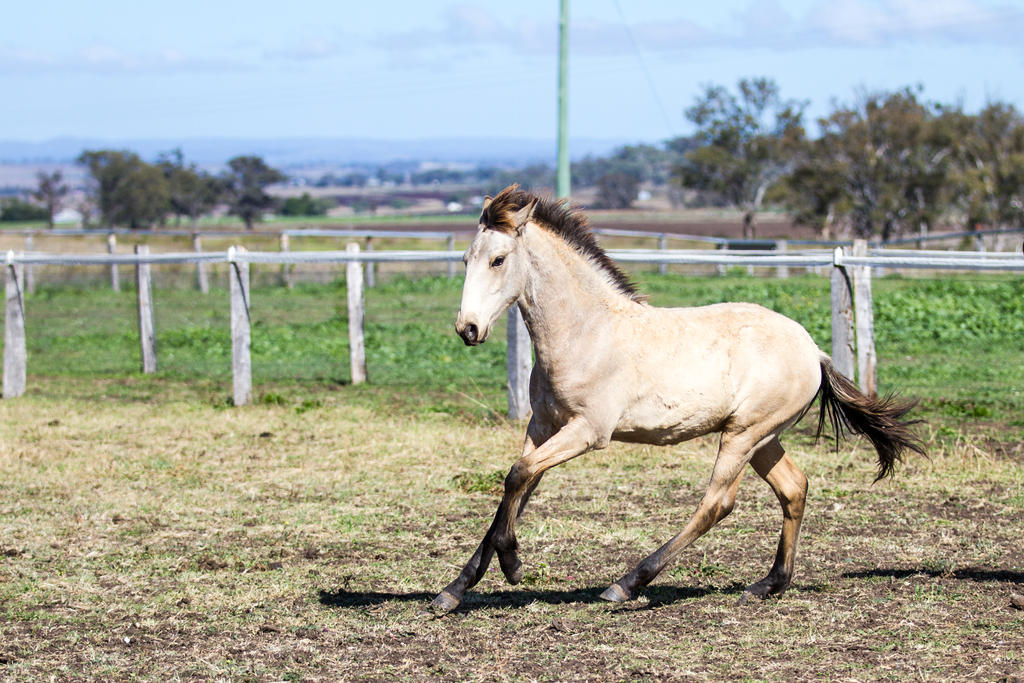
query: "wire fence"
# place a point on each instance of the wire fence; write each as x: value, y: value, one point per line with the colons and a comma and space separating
x: 852, y: 334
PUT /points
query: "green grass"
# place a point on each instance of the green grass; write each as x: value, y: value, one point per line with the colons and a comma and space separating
x: 297, y: 335
x: 954, y: 342
x: 149, y: 530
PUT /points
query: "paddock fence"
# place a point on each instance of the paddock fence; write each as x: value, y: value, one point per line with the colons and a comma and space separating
x: 850, y: 270
x: 999, y: 240
x: 172, y: 240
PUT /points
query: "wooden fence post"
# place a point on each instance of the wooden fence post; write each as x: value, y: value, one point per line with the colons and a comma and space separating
x: 842, y: 317
x: 662, y: 246
x: 450, y: 243
x: 147, y: 334
x: 865, y: 321
x: 722, y: 268
x: 782, y: 246
x: 241, y: 327
x: 202, y: 268
x: 371, y: 266
x: 115, y: 280
x: 15, y: 357
x: 357, y: 346
x: 519, y: 365
x: 30, y: 270
x: 286, y: 268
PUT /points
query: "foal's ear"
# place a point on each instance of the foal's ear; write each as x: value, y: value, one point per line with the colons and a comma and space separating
x: 487, y: 202
x: 523, y: 215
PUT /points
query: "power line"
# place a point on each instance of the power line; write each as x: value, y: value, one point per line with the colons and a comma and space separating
x: 643, y: 67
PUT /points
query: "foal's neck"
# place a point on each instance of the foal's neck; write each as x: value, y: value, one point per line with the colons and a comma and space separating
x: 567, y: 299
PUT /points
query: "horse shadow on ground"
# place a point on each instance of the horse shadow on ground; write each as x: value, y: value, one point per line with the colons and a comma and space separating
x: 655, y: 597
x: 975, y: 574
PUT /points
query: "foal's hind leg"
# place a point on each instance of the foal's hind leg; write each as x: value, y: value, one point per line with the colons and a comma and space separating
x: 790, y: 487
x: 733, y: 454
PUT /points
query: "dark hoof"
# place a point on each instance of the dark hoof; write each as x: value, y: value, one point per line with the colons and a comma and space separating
x: 762, y: 590
x: 512, y: 568
x: 746, y: 598
x: 516, y: 575
x: 614, y: 593
x: 445, y: 602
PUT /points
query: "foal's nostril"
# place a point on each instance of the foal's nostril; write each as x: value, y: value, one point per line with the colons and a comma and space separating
x: 469, y: 333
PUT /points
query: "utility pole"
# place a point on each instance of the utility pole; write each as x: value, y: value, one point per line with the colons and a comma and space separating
x: 562, y: 181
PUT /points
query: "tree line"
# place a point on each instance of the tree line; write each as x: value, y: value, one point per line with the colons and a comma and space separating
x: 128, y: 191
x: 888, y: 163
x: 123, y: 189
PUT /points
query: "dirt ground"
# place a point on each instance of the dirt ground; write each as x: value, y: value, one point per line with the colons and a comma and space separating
x: 161, y: 538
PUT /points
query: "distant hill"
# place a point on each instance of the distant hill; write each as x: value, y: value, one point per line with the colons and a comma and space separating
x: 286, y: 152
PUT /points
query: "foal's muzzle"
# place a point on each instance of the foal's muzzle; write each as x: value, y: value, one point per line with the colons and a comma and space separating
x: 470, y: 334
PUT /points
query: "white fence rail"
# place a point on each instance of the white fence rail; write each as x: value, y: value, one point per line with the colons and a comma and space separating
x: 852, y: 324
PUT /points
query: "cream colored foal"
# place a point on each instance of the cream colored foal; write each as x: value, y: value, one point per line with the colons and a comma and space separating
x: 609, y: 366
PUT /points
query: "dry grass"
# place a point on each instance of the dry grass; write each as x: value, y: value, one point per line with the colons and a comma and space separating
x: 174, y: 539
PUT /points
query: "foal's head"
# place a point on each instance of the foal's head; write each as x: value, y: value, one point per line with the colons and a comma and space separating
x: 496, y: 264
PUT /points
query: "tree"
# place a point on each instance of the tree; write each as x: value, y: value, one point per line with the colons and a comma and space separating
x: 813, y: 190
x: 746, y: 141
x: 989, y: 164
x: 193, y: 192
x: 245, y: 184
x: 892, y: 161
x: 617, y: 190
x: 128, y: 190
x: 647, y: 163
x: 305, y: 205
x: 533, y: 177
x: 50, y: 192
x: 15, y: 210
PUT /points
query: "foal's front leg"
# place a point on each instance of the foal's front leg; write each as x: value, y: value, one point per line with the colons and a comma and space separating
x: 573, y: 439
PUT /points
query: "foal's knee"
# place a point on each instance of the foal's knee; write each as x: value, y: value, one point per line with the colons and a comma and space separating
x: 716, y: 506
x: 725, y: 505
x: 517, y: 477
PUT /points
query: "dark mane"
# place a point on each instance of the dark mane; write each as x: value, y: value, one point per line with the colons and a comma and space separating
x: 566, y: 221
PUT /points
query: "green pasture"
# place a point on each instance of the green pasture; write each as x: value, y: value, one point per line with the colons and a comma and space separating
x: 955, y: 342
x: 151, y: 531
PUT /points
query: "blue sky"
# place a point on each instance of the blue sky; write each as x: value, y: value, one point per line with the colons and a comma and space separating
x: 414, y: 69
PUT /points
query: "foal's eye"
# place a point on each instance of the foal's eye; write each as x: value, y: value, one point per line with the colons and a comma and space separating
x: 496, y: 263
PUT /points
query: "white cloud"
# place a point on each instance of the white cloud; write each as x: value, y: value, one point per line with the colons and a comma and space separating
x: 473, y: 23
x: 13, y: 58
x: 846, y: 22
x: 759, y: 24
x: 470, y: 26
x: 308, y: 49
x: 865, y: 23
x: 107, y: 59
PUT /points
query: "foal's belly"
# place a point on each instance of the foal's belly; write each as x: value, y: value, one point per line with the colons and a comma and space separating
x: 659, y: 423
x: 658, y: 437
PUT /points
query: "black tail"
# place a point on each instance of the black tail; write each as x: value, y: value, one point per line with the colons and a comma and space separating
x: 879, y: 419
